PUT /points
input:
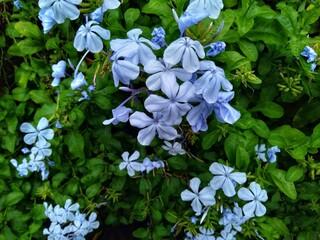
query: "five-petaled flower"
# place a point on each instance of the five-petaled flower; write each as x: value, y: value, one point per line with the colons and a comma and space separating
x: 130, y: 163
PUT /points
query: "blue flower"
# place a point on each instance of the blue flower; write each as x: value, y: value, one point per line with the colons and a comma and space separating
x: 47, y: 20
x: 89, y: 37
x: 271, y: 152
x: 255, y: 195
x: 225, y: 179
x: 78, y: 81
x: 189, y: 18
x: 186, y: 50
x: 58, y: 71
x: 158, y: 36
x: 205, y: 196
x: 130, y: 163
x: 261, y: 152
x: 216, y: 48
x: 211, y: 82
x: 41, y: 150
x: 227, y: 235
x: 62, y: 9
x: 97, y: 15
x: 135, y: 47
x: 21, y: 168
x: 313, y: 67
x: 174, y: 148
x: 120, y: 114
x: 309, y: 53
x: 40, y: 133
x: 197, y: 116
x: 175, y: 106
x: 148, y: 165
x: 17, y: 4
x: 224, y: 112
x: 205, y: 234
x: 233, y: 219
x: 85, y: 96
x: 213, y: 7
x: 151, y: 127
x: 161, y: 72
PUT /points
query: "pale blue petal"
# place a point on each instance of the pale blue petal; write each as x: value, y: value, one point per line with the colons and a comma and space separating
x: 93, y: 43
x: 155, y: 103
x: 103, y: 33
x: 27, y: 128
x: 140, y: 120
x: 196, y: 206
x: 125, y: 156
x: 239, y: 177
x: 228, y: 187
x: 134, y: 156
x: 30, y: 138
x: 195, y: 184
x: 245, y: 194
x: 146, y: 135
x: 206, y: 196
x: 167, y: 132
x: 249, y: 208
x: 260, y: 209
x: 110, y: 4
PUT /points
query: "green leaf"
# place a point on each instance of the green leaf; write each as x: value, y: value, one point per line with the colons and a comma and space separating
x: 9, y: 142
x: 157, y: 7
x: 249, y: 49
x: 279, y: 226
x: 244, y: 24
x: 315, y: 137
x: 242, y: 158
x: 311, y: 16
x: 39, y: 96
x: 93, y: 190
x: 130, y: 16
x: 279, y: 178
x: 178, y: 163
x: 288, y: 18
x: 20, y: 94
x: 269, y: 109
x: 286, y: 136
x: 210, y: 139
x: 307, y: 114
x: 13, y: 198
x: 156, y: 214
x: 28, y: 29
x: 261, y: 128
x: 46, y: 110
x: 141, y: 233
x: 12, y: 123
x: 25, y: 47
x: 232, y: 142
x: 171, y: 216
x: 144, y: 186
x: 58, y: 178
x: 294, y: 173
x: 75, y: 142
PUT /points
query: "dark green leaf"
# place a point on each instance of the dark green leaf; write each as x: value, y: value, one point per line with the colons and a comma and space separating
x: 13, y: 198
x: 210, y: 139
x: 269, y: 109
x: 25, y: 47
x: 249, y: 49
x: 294, y: 173
x: 286, y: 136
x: 75, y: 142
x: 39, y: 96
x: 279, y: 177
x: 130, y: 16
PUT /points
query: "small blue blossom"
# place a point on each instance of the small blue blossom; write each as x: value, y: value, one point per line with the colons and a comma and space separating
x: 62, y: 9
x: 148, y: 165
x: 213, y: 7
x: 58, y: 125
x: 224, y: 112
x: 261, y: 152
x: 91, y: 88
x: 17, y: 4
x: 313, y: 66
x: 120, y: 114
x: 110, y: 4
x: 58, y: 71
x: 271, y: 152
x: 216, y: 48
x: 205, y: 234
x: 233, y: 219
x: 227, y: 235
x: 23, y: 168
x: 205, y: 196
x: 174, y: 148
x: 78, y: 81
x: 193, y: 219
x: 85, y: 96
x: 309, y: 53
x: 25, y: 150
x: 186, y: 50
x: 97, y: 15
x: 224, y: 178
x: 89, y: 37
x: 47, y: 20
x: 41, y: 133
x: 158, y: 36
x: 130, y: 163
x: 151, y: 127
x: 255, y: 195
x: 41, y: 150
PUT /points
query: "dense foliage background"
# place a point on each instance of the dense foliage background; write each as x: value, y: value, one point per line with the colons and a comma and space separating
x: 275, y: 91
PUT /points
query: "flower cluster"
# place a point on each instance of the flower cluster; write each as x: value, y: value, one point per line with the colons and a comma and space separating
x: 271, y: 153
x: 132, y: 165
x: 309, y: 53
x: 67, y: 222
x: 41, y: 148
x: 225, y: 179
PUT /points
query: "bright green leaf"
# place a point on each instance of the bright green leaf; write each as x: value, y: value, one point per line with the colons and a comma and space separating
x: 28, y: 29
x: 279, y: 178
x: 269, y: 109
x: 130, y: 16
x: 294, y: 173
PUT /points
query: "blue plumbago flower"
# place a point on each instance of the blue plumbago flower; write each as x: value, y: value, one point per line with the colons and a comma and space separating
x: 91, y: 88
x: 176, y: 105
x: 189, y: 18
x: 271, y: 152
x: 120, y: 114
x: 110, y: 4
x: 227, y: 235
x: 130, y: 163
x: 47, y: 20
x: 255, y: 195
x: 25, y: 150
x: 261, y: 152
x: 193, y: 219
x: 309, y: 53
x: 62, y: 9
x: 17, y: 4
x: 78, y: 81
x: 211, y: 82
x: 97, y: 15
x: 225, y: 179
x: 313, y: 67
x: 123, y: 70
x: 85, y: 96
x: 161, y: 72
x: 186, y: 50
x: 89, y: 37
x: 23, y: 168
x: 197, y: 116
x: 158, y: 36
x: 58, y: 125
x: 224, y: 112
x: 205, y: 196
x: 41, y: 150
x: 151, y: 127
x: 142, y: 53
x: 58, y: 71
x: 40, y: 133
x: 216, y: 48
x: 174, y: 148
x: 205, y: 234
x: 213, y: 7
x: 233, y: 219
x: 148, y: 165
